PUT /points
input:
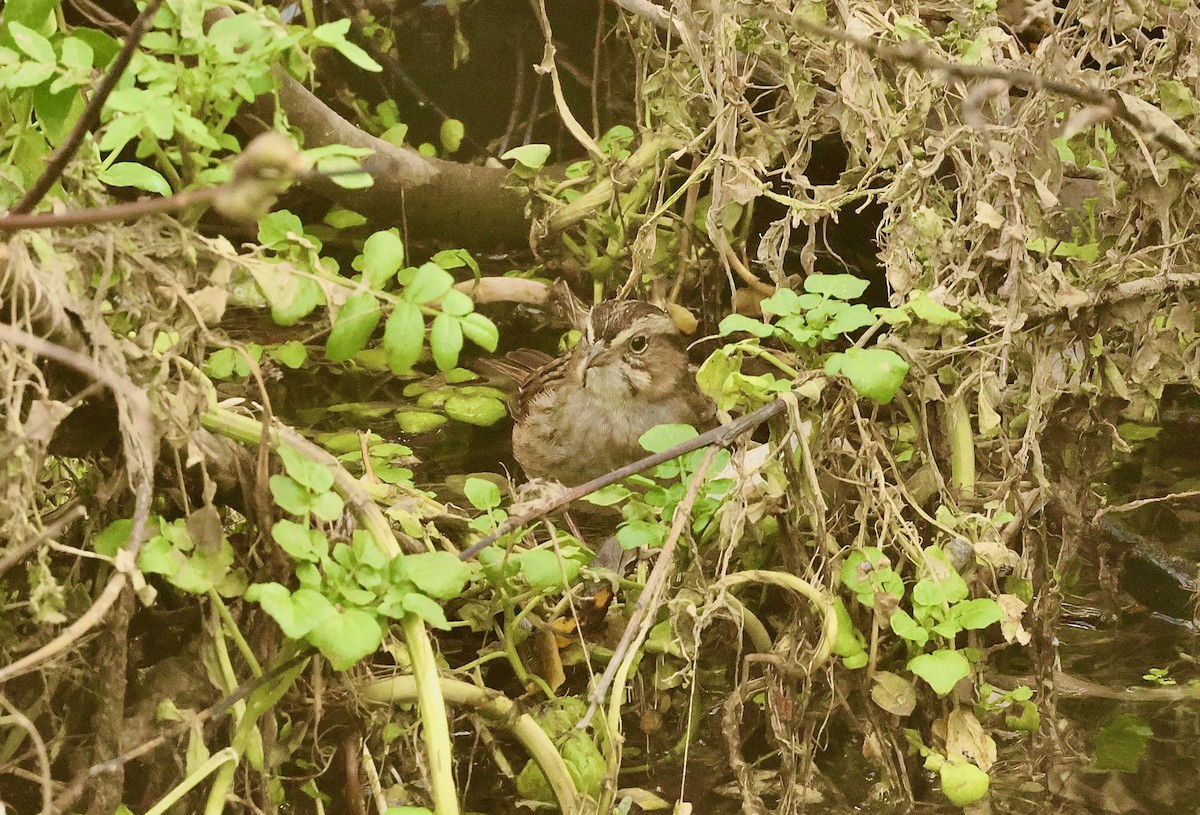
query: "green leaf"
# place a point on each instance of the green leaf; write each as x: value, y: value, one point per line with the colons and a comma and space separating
x: 482, y: 493
x: 289, y: 496
x: 578, y: 169
x: 328, y: 506
x: 942, y: 669
x: 427, y: 609
x: 419, y: 421
x: 33, y: 44
x: 460, y: 375
x: 541, y: 569
x: 1176, y: 99
x: 928, y: 592
x: 608, y: 496
x: 665, y: 436
x: 457, y: 304
x: 297, y: 613
x: 437, y: 574
x: 849, y: 319
x: 346, y: 636
x: 294, y: 300
x: 382, y: 256
x: 446, y: 341
x: 341, y: 218
x: 451, y: 135
x: 334, y: 35
x: 850, y: 641
x: 300, y: 541
x: 395, y: 134
x: 868, y: 572
x: 356, y: 319
x: 875, y: 373
x: 30, y: 74
x: 31, y: 13
x: 1023, y: 716
x: 481, y: 411
x: 160, y: 556
x: 312, y: 474
x: 345, y: 171
x: 978, y: 613
x: 962, y: 782
x: 905, y: 626
x: 77, y: 54
x: 739, y: 322
x: 113, y: 537
x: 930, y: 310
x: 840, y: 286
x: 403, y: 337
x: 585, y: 763
x: 206, y: 568
x: 640, y: 535
x: 57, y: 105
x: 532, y: 156
x: 615, y: 136
x: 431, y: 282
x: 292, y: 354
x: 130, y: 174
x: 277, y: 230
x: 455, y: 259
x: 783, y: 303
x: 480, y: 330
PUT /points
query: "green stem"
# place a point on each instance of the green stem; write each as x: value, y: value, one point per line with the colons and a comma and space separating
x: 236, y: 633
x: 763, y: 353
x: 218, y: 761
x: 600, y: 195
x: 497, y: 708
x: 819, y: 598
x: 361, y: 502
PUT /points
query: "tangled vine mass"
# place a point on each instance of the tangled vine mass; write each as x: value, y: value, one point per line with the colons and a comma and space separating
x: 943, y: 256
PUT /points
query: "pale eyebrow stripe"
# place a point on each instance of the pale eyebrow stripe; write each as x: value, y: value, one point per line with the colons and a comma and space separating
x: 652, y: 324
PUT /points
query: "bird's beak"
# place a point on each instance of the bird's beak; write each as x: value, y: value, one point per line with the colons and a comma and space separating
x: 590, y: 357
x: 591, y: 353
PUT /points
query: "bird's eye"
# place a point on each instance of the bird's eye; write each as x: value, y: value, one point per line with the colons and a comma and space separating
x: 638, y: 344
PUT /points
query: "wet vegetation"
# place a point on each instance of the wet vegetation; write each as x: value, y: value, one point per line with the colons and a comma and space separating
x: 263, y: 544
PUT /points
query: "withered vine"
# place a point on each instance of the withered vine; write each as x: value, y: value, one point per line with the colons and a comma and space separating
x: 222, y: 593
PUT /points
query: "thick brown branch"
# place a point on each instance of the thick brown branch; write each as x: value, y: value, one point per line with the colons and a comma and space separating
x: 459, y: 203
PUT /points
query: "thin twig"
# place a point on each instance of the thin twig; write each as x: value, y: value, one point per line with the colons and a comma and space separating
x: 19, y: 551
x: 155, y: 206
x: 1141, y: 502
x: 90, y: 117
x: 100, y: 215
x: 39, y: 747
x: 651, y: 596
x: 917, y: 55
x: 721, y: 436
x: 548, y: 65
x: 81, y: 781
x: 140, y: 446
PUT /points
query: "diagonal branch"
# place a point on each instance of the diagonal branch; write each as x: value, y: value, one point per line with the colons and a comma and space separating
x: 90, y: 117
x: 721, y: 436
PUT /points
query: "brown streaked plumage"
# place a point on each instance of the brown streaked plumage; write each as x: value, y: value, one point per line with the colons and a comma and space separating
x: 580, y: 415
